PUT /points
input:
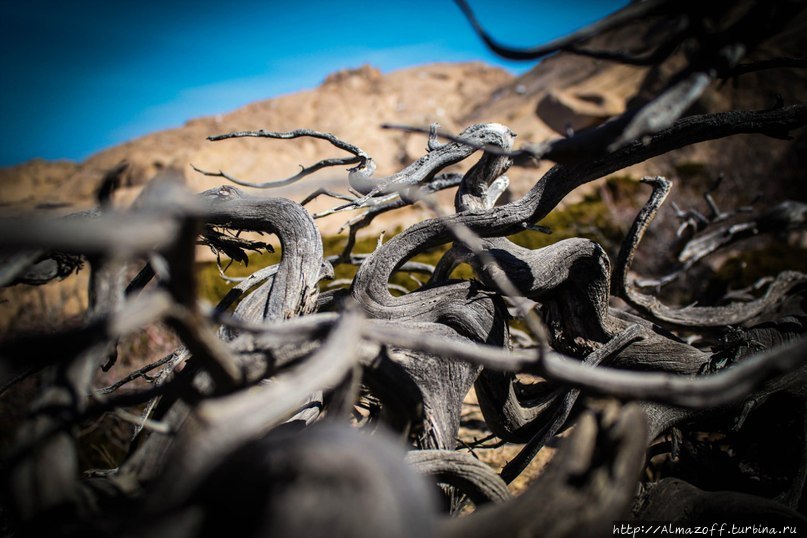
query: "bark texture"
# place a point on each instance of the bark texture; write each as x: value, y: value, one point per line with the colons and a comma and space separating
x: 300, y: 408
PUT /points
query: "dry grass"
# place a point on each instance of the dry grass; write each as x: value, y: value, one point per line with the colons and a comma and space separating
x: 473, y: 429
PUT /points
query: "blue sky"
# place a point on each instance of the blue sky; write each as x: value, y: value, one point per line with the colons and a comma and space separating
x: 78, y: 76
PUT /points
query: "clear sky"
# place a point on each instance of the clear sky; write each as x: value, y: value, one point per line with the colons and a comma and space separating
x: 77, y: 76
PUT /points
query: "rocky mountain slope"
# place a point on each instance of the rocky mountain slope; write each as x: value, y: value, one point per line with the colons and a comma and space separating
x: 352, y: 104
x: 562, y: 92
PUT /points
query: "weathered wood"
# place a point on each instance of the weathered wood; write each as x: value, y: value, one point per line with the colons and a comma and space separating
x: 328, y: 480
x: 593, y: 479
x: 675, y: 500
x: 462, y: 471
x: 296, y: 279
x: 248, y: 421
x: 699, y: 316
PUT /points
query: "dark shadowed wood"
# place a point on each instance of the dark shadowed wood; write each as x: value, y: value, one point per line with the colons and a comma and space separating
x: 675, y: 500
x: 590, y: 478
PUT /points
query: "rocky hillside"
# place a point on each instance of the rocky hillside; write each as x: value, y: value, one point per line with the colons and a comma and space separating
x: 562, y: 92
x: 352, y: 104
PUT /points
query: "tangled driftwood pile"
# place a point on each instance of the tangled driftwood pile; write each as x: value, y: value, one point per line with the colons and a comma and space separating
x: 292, y: 411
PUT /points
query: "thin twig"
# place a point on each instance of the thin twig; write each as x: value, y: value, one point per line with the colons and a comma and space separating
x: 140, y: 372
x: 359, y: 156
